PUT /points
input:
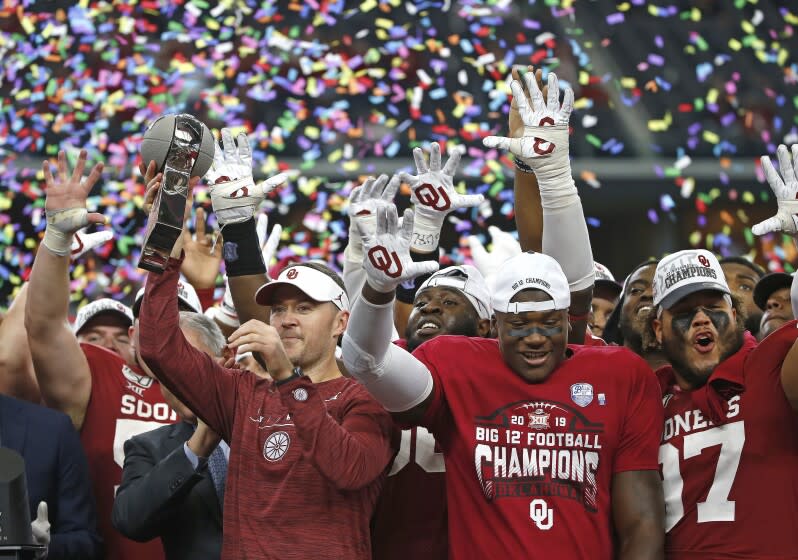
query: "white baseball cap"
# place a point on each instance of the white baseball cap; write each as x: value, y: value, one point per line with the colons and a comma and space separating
x: 602, y: 272
x: 104, y: 305
x: 686, y: 272
x: 314, y: 283
x: 185, y: 294
x: 467, y: 280
x: 530, y: 271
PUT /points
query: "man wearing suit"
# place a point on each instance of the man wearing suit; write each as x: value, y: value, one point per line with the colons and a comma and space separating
x: 173, y: 477
x: 57, y: 474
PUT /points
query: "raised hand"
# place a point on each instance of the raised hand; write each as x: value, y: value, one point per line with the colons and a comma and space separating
x: 234, y: 195
x: 785, y: 187
x: 65, y: 202
x: 504, y: 246
x: 40, y: 528
x: 203, y: 256
x: 256, y: 336
x: 387, y: 260
x: 368, y: 198
x: 268, y: 243
x: 545, y: 138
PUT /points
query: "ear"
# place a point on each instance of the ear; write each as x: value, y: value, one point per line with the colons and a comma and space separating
x: 656, y: 324
x: 227, y: 353
x: 340, y: 323
x: 483, y: 328
x: 130, y: 331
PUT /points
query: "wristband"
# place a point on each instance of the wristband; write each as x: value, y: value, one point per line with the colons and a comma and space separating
x: 577, y: 318
x: 241, y: 249
x: 296, y: 373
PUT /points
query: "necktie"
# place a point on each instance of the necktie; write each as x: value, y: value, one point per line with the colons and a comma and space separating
x: 217, y: 465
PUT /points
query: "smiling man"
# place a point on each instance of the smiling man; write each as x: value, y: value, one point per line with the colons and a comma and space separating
x: 729, y: 419
x: 541, y: 440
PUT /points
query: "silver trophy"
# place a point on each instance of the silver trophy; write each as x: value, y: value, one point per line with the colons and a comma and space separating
x: 165, y: 224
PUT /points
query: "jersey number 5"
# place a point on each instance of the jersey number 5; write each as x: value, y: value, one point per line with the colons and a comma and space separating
x: 717, y: 506
x: 425, y: 456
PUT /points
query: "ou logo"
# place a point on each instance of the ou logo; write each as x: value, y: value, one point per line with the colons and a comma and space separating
x: 541, y: 514
x: 540, y: 141
x: 704, y: 260
x: 389, y: 263
x: 434, y: 197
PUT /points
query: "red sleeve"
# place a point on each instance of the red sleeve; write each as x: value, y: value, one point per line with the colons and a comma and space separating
x: 644, y: 415
x: 206, y: 297
x: 207, y: 388
x: 352, y: 454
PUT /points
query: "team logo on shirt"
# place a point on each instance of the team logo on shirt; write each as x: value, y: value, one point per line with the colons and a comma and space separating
x: 141, y: 380
x: 276, y: 446
x: 582, y: 393
x: 538, y: 449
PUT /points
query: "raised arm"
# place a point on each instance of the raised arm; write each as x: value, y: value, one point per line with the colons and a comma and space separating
x: 543, y: 149
x: 17, y: 378
x: 785, y: 187
x: 60, y: 366
x: 401, y: 383
x: 235, y: 199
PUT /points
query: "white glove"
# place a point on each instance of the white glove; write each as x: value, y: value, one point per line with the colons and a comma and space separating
x: 387, y: 260
x: 433, y: 194
x: 41, y: 529
x: 84, y: 242
x: 786, y: 191
x: 364, y: 201
x: 268, y: 244
x: 544, y: 145
x: 234, y: 195
x: 225, y: 312
x: 503, y: 246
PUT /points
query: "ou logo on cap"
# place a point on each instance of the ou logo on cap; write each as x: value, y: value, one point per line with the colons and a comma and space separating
x: 704, y: 260
x: 292, y: 273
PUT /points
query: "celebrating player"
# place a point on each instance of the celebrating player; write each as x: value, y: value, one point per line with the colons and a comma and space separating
x: 542, y: 441
x: 308, y: 447
x: 730, y: 407
x: 107, y: 399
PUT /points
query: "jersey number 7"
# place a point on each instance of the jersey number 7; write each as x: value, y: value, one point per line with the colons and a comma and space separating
x: 716, y: 506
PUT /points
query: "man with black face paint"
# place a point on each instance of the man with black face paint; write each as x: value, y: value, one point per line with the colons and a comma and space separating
x: 542, y: 440
x: 728, y: 426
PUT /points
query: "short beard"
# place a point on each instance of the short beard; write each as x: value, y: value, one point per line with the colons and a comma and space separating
x: 697, y: 378
x: 632, y: 333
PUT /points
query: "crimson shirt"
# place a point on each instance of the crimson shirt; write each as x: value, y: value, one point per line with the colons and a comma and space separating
x: 529, y: 467
x: 307, y: 460
x: 123, y: 403
x: 729, y: 458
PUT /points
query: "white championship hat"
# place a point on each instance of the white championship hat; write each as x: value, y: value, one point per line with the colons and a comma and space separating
x: 185, y: 293
x: 104, y: 305
x: 467, y: 280
x: 530, y: 271
x: 314, y: 283
x: 686, y: 272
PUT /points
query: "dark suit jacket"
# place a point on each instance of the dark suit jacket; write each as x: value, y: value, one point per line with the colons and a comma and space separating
x: 162, y: 496
x: 57, y: 472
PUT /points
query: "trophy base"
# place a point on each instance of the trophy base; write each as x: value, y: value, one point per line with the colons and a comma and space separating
x: 158, y: 246
x: 21, y: 552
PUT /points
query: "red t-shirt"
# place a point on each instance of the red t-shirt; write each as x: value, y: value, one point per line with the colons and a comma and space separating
x: 307, y: 460
x: 123, y: 403
x: 529, y: 467
x: 729, y: 458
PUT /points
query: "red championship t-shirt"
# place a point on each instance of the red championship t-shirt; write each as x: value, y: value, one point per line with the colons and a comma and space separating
x: 123, y: 403
x: 729, y: 458
x: 529, y: 466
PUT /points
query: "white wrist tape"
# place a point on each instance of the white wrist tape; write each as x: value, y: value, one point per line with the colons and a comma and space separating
x: 426, y: 232
x: 565, y: 239
x: 61, y: 227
